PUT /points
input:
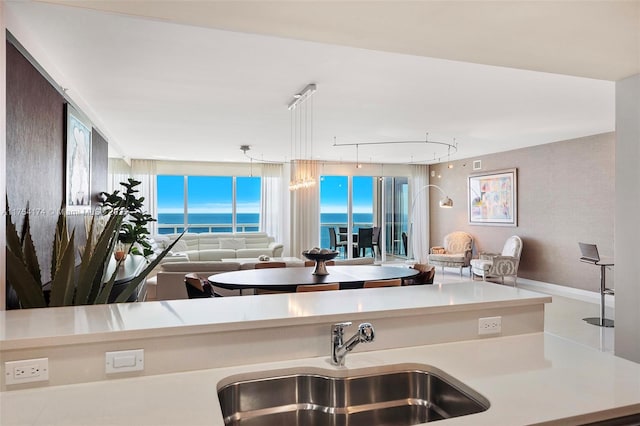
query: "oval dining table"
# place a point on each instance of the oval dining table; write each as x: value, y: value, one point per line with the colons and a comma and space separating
x: 287, y: 279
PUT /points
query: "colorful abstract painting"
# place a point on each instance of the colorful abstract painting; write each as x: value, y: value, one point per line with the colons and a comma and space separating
x: 493, y: 198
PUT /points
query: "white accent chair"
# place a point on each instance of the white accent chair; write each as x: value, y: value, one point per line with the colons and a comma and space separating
x: 500, y: 265
x: 455, y: 253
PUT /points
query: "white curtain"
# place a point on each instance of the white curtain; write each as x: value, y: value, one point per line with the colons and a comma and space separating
x: 419, y: 235
x: 145, y: 172
x: 119, y: 171
x: 305, y: 207
x: 272, y: 219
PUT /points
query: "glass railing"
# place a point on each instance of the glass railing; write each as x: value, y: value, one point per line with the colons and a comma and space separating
x: 198, y: 228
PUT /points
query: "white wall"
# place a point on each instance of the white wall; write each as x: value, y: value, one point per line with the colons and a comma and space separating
x: 3, y: 150
x: 627, y: 218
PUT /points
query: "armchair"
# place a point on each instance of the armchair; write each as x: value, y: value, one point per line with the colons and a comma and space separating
x: 500, y: 265
x: 455, y: 253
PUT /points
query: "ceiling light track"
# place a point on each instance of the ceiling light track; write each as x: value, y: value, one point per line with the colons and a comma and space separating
x: 452, y: 148
x: 301, y: 97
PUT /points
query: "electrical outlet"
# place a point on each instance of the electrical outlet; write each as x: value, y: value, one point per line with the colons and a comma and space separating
x: 25, y: 371
x: 490, y: 325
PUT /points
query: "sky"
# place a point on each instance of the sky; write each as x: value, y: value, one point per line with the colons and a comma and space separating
x: 213, y: 194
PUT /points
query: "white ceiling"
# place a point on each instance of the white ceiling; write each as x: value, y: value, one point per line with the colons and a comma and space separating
x: 190, y: 92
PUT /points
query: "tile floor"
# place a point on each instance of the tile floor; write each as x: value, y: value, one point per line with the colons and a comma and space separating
x: 563, y: 317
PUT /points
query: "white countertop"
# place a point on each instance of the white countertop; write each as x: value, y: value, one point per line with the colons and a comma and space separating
x: 33, y: 328
x: 527, y: 379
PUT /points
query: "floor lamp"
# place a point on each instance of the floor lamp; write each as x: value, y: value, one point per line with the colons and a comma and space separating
x: 445, y: 203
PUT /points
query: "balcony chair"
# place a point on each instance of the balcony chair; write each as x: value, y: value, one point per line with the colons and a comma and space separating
x: 456, y: 252
x: 365, y: 241
x: 335, y: 244
x: 500, y: 265
x: 376, y: 240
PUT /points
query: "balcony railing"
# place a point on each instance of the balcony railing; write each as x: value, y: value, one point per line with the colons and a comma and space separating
x: 198, y: 228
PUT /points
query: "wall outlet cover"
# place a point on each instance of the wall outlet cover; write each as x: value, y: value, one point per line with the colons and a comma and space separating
x: 26, y: 370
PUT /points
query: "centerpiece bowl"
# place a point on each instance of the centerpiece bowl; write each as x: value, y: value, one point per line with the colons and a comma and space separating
x: 320, y: 257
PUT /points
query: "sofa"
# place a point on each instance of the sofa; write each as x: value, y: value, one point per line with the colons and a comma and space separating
x: 217, y: 245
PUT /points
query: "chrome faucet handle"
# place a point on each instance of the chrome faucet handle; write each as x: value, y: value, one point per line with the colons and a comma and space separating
x: 338, y: 328
x: 366, y: 332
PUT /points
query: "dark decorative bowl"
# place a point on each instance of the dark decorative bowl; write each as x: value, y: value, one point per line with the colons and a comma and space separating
x: 320, y: 259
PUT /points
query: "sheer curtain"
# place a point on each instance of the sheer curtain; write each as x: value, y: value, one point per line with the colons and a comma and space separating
x: 145, y: 172
x: 272, y: 219
x: 305, y: 209
x: 419, y: 235
x: 119, y: 171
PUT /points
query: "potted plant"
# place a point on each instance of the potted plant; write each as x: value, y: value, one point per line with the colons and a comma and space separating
x: 87, y: 283
x: 133, y: 234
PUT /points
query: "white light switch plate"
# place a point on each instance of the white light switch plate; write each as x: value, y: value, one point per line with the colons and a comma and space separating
x: 124, y: 361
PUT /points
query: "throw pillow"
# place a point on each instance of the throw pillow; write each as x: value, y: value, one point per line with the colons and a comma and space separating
x: 180, y: 247
x: 232, y: 243
x: 162, y: 241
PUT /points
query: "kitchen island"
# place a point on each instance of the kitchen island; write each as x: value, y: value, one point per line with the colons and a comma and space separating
x: 528, y: 379
x: 528, y: 376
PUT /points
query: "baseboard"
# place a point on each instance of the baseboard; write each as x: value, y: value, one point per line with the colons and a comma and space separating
x: 564, y: 291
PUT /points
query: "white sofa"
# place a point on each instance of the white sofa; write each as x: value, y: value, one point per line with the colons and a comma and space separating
x: 218, y: 245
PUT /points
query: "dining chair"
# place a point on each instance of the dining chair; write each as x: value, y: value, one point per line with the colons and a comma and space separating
x: 365, y: 241
x: 308, y: 263
x: 382, y: 283
x: 425, y: 275
x: 198, y: 288
x: 266, y: 265
x: 317, y: 287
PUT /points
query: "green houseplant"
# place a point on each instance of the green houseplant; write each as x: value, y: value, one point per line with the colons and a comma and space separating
x: 71, y: 284
x: 133, y: 233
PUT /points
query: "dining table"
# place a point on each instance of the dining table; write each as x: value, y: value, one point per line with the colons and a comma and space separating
x: 288, y: 279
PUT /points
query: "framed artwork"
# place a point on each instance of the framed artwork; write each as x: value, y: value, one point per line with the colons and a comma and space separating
x: 493, y: 198
x: 78, y: 162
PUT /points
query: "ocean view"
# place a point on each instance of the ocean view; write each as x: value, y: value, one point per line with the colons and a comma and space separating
x: 250, y: 222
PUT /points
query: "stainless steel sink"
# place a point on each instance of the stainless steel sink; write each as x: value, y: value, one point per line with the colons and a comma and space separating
x: 406, y: 394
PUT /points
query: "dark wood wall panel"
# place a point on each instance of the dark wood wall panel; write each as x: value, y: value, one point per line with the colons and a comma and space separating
x: 35, y: 151
x: 99, y: 166
x: 35, y: 155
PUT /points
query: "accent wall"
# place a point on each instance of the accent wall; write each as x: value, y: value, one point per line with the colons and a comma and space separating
x: 566, y: 195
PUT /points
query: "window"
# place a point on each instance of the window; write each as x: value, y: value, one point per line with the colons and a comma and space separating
x: 171, y: 214
x: 334, y: 199
x: 334, y: 205
x: 213, y: 203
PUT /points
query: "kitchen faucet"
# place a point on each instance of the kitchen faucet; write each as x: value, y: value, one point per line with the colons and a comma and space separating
x: 339, y: 348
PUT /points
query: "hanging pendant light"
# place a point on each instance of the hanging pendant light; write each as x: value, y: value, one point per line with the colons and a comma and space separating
x: 302, y: 138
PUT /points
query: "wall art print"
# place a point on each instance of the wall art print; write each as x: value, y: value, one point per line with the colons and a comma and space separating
x: 78, y: 155
x: 493, y: 197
